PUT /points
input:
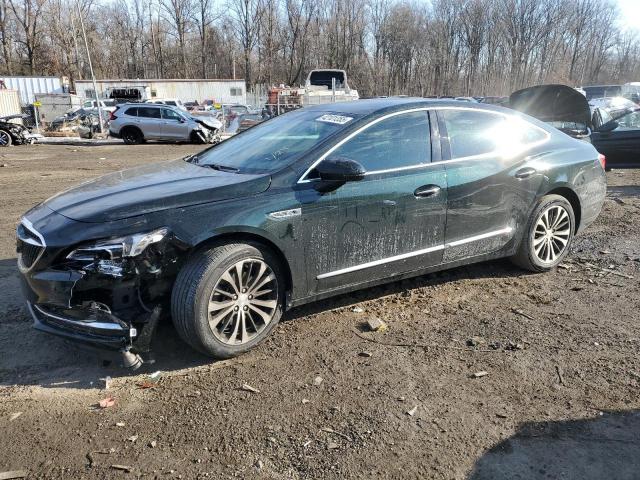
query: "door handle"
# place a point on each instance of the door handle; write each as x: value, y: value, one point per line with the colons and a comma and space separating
x: 427, y: 191
x: 525, y: 172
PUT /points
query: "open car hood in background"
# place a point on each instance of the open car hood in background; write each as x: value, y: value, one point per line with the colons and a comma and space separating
x: 552, y: 103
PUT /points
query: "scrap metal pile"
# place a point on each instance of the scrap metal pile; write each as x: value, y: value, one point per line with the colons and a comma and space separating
x: 81, y: 122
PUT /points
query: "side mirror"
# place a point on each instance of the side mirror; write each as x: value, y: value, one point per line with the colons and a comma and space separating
x: 340, y: 170
x: 608, y: 127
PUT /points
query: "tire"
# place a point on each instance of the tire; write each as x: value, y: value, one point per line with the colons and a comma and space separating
x: 193, y: 294
x: 132, y: 136
x: 5, y: 139
x: 542, y: 249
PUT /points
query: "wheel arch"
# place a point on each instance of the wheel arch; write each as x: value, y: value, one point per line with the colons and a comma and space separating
x: 249, y: 237
x: 130, y: 126
x: 572, y: 197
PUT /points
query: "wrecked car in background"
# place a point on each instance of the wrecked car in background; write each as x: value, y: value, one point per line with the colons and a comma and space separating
x: 14, y: 133
x: 558, y: 105
x: 136, y: 123
x: 82, y: 122
x: 611, y: 125
x: 316, y: 202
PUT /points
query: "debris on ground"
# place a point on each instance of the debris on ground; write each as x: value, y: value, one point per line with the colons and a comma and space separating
x: 365, y: 354
x: 357, y: 310
x: 107, y: 382
x: 334, y: 432
x: 248, y: 388
x: 480, y: 374
x: 560, y: 374
x: 376, y: 325
x: 517, y: 311
x: 13, y: 474
x: 154, y: 375
x: 133, y: 438
x: 318, y: 381
x: 305, y: 401
x: 153, y: 443
x: 122, y: 467
x: 14, y: 416
x: 475, y: 341
x: 332, y: 446
x: 413, y: 411
x: 107, y: 402
x: 120, y: 424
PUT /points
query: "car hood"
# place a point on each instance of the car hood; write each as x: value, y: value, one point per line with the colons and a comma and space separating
x: 152, y: 188
x: 552, y: 103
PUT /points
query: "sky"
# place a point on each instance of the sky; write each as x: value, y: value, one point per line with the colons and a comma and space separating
x: 630, y: 14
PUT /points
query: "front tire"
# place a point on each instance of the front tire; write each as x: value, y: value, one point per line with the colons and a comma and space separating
x: 548, y: 235
x: 228, y: 299
x: 5, y: 139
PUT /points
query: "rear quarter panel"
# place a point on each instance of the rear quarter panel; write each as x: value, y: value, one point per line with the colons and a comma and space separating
x: 574, y: 164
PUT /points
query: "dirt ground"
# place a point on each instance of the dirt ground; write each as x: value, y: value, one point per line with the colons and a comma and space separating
x: 561, y: 398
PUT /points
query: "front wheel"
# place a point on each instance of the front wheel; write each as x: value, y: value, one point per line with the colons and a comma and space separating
x: 548, y: 236
x: 5, y: 139
x: 228, y: 299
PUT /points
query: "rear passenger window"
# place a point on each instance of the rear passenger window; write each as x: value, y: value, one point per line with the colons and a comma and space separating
x: 473, y: 133
x: 399, y: 141
x: 132, y: 112
x: 149, y: 112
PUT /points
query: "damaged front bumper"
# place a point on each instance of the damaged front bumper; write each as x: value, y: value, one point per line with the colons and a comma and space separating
x: 96, y: 328
x: 112, y: 303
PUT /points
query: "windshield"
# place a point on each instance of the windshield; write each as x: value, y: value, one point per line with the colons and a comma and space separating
x: 275, y: 143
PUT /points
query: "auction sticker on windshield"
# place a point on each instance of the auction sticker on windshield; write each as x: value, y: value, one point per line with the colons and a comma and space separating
x: 339, y: 119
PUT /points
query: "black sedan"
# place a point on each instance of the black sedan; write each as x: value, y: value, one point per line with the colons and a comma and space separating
x: 310, y: 204
x: 617, y: 136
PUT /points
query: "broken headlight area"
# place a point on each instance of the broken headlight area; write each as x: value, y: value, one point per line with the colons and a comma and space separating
x: 117, y: 248
x: 127, y: 279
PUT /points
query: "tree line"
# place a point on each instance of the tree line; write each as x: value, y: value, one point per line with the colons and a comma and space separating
x: 437, y: 47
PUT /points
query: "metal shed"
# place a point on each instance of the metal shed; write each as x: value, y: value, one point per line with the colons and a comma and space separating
x: 220, y: 90
x: 27, y: 87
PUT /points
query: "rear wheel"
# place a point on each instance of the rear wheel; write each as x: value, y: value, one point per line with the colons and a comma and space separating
x: 548, y: 236
x: 228, y: 299
x: 5, y: 139
x: 132, y: 136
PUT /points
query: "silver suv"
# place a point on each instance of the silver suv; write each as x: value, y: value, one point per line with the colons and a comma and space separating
x: 138, y: 122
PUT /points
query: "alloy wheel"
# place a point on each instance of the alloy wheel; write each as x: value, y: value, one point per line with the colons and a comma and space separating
x: 551, y: 234
x: 243, y: 302
x: 5, y: 139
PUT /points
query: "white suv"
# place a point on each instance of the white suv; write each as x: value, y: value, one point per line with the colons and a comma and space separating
x: 139, y: 122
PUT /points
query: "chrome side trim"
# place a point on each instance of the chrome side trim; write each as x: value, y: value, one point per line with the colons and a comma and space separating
x: 508, y: 116
x: 76, y: 323
x: 375, y: 263
x: 482, y: 236
x: 282, y: 214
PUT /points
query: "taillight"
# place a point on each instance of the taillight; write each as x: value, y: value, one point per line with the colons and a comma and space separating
x: 112, y: 116
x: 603, y: 160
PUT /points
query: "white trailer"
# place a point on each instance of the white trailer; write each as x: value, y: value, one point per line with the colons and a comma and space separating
x: 187, y: 90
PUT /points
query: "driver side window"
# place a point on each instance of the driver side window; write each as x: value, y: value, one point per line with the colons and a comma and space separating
x: 168, y: 114
x: 630, y: 121
x: 402, y: 140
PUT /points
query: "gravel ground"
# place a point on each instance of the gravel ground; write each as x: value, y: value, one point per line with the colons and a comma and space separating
x: 560, y: 398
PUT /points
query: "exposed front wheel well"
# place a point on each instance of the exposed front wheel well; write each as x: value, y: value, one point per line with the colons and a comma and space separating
x: 250, y: 238
x: 573, y: 199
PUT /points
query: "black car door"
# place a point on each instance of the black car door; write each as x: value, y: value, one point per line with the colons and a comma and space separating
x: 620, y: 145
x: 491, y: 181
x: 390, y: 222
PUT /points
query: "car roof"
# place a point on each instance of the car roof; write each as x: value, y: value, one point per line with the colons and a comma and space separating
x: 373, y: 105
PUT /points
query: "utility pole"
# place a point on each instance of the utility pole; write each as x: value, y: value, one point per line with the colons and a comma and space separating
x: 93, y: 77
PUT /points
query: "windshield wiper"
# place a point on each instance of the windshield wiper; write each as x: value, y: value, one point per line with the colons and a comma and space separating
x: 222, y: 168
x: 192, y: 159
